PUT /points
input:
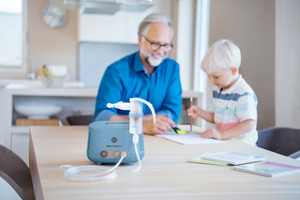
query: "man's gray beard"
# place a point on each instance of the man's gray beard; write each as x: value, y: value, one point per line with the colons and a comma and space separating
x: 156, y: 64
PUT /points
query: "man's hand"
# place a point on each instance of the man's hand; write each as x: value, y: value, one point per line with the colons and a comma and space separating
x: 212, y: 133
x: 162, y: 124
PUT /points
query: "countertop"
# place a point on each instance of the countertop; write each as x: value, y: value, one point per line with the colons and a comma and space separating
x: 26, y: 87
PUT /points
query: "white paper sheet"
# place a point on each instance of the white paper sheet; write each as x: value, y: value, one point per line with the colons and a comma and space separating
x: 188, y: 138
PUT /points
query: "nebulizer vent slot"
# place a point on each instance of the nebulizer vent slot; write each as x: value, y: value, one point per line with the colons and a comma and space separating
x: 96, y: 172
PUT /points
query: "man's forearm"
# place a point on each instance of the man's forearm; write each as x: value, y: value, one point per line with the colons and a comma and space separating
x: 119, y: 118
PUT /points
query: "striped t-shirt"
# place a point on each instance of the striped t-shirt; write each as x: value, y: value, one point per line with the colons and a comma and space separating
x: 233, y: 106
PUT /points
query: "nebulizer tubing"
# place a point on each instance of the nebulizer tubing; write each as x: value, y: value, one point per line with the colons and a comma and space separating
x: 135, y: 140
x: 148, y: 104
x: 97, y: 172
x: 128, y: 106
x: 72, y: 172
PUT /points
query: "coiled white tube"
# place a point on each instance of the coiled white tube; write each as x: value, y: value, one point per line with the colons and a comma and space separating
x: 96, y: 172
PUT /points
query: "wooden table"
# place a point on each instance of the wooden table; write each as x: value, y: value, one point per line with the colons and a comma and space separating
x: 165, y: 172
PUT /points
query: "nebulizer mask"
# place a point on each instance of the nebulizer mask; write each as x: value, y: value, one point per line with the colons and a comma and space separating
x: 113, y: 142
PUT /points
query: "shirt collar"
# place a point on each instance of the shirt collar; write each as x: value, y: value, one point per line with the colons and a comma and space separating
x: 234, y: 86
x: 138, y: 65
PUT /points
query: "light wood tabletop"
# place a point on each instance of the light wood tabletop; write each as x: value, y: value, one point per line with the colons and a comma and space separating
x: 165, y: 172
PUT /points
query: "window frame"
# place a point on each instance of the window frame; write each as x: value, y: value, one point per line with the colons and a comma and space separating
x: 200, y: 49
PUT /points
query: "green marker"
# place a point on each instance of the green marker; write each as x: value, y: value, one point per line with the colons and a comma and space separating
x: 179, y: 131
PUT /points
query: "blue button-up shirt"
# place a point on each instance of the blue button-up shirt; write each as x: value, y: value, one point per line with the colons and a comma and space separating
x: 127, y: 79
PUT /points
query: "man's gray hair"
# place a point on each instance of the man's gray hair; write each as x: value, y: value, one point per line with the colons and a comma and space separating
x: 154, y: 17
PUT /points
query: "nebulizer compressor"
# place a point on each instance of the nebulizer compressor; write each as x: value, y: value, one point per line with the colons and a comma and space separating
x: 113, y: 142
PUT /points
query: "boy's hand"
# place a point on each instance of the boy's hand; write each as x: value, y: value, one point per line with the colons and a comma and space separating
x: 194, y: 112
x: 212, y: 133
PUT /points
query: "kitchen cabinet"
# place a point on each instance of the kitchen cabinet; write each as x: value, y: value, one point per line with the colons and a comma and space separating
x: 80, y: 100
x: 16, y: 137
x: 20, y: 143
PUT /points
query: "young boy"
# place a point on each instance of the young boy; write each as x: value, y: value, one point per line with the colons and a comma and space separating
x: 233, y: 103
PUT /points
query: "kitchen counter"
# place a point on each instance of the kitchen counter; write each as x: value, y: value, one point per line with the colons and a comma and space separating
x: 64, y: 92
x: 73, y: 96
x: 29, y: 90
x: 71, y: 88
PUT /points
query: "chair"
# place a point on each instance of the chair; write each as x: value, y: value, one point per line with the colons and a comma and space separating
x: 282, y: 140
x: 16, y: 173
x: 80, y: 119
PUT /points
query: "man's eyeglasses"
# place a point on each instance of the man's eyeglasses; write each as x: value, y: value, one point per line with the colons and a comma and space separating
x: 156, y: 45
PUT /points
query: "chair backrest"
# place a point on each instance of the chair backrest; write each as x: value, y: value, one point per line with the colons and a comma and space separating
x: 16, y: 173
x: 282, y: 140
x: 80, y: 119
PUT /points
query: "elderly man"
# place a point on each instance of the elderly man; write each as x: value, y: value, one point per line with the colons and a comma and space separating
x: 147, y: 74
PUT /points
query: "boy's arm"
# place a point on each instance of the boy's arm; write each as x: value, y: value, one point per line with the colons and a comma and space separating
x: 235, y: 131
x: 246, y: 112
x: 206, y: 115
x: 239, y: 129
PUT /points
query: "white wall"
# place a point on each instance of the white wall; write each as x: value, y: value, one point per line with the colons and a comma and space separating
x: 287, y: 63
x: 121, y: 27
x: 59, y: 45
x: 52, y: 45
x: 268, y: 34
x: 251, y: 25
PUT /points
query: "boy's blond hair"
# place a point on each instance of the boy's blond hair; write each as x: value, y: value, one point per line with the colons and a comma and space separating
x: 223, y: 54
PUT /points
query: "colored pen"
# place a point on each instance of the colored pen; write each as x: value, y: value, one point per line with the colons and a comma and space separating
x: 175, y: 129
x: 179, y: 131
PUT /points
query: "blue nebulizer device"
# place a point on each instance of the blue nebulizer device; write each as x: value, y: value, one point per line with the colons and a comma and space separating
x: 113, y: 142
x: 109, y: 140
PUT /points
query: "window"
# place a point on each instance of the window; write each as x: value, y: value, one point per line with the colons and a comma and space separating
x: 12, y: 36
x: 202, y: 39
x: 201, y: 46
